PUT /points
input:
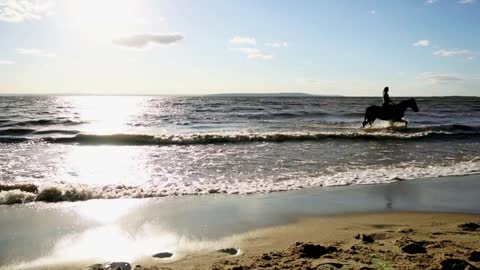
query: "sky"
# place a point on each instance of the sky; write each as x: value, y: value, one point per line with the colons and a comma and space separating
x: 191, y: 47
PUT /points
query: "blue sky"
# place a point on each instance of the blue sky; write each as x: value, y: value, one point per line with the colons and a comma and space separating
x: 346, y: 47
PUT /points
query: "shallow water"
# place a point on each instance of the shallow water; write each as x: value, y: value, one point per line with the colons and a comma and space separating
x: 76, y: 148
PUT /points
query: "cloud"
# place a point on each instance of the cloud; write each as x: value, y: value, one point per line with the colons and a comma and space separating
x: 373, y: 12
x: 437, y: 78
x: 253, y: 53
x: 451, y: 52
x: 140, y: 41
x: 243, y: 40
x: 6, y: 62
x: 422, y: 43
x: 15, y: 11
x: 35, y: 52
x: 466, y: 2
x: 277, y: 44
x: 429, y: 2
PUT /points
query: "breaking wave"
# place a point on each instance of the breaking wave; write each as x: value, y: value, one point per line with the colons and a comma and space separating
x: 25, y: 193
x: 439, y: 132
x: 39, y: 122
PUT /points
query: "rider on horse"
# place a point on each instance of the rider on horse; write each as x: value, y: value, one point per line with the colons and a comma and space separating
x: 389, y: 111
x: 387, y: 104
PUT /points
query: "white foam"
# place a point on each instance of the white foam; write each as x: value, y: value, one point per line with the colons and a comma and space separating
x: 16, y: 196
x: 375, y: 174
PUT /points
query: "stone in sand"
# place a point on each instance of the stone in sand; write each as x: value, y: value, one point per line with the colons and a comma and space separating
x: 230, y: 251
x: 469, y: 226
x: 413, y: 248
x: 117, y: 266
x: 365, y: 238
x: 96, y: 266
x: 474, y: 256
x: 455, y: 264
x: 163, y: 255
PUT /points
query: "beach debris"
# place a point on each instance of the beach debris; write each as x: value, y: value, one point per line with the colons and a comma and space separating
x: 230, y: 251
x: 380, y: 263
x: 214, y: 190
x: 405, y: 230
x: 309, y: 250
x: 50, y: 194
x: 474, y: 256
x: 413, y: 248
x: 163, y: 255
x: 365, y: 238
x: 469, y: 226
x: 455, y: 264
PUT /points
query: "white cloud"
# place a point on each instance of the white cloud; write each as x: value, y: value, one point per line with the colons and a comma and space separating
x: 429, y: 2
x: 466, y: 2
x: 451, y: 52
x: 422, y: 43
x: 277, y: 44
x: 470, y: 58
x: 35, y: 52
x: 373, y: 12
x: 437, y: 78
x: 22, y: 10
x: 140, y: 41
x: 243, y: 40
x: 6, y: 62
x: 253, y: 53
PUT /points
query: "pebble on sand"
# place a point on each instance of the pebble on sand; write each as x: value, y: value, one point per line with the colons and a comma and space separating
x: 163, y: 255
x: 230, y: 251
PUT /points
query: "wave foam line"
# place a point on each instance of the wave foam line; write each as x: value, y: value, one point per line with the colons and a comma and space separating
x: 354, y: 176
x: 134, y: 139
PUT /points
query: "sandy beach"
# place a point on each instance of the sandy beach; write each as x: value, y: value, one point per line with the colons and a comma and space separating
x: 398, y: 240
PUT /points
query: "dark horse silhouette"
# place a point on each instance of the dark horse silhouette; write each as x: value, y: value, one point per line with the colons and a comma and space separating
x: 393, y: 113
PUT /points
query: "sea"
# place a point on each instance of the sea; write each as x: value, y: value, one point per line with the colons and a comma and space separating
x: 73, y: 148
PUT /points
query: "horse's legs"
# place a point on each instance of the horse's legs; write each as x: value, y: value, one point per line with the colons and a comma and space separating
x: 365, y: 121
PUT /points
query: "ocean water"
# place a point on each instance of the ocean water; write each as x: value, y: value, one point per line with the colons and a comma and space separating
x: 77, y: 148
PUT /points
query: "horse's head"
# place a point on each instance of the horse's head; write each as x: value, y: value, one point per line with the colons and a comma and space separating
x: 413, y: 104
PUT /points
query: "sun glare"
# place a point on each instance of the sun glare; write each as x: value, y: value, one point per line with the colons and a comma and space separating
x: 107, y: 115
x: 105, y: 16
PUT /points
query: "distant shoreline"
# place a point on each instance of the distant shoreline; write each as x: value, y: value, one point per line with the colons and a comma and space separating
x: 285, y: 94
x: 215, y: 95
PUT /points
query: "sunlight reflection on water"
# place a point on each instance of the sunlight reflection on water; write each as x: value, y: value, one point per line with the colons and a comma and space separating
x: 108, y: 114
x: 102, y: 165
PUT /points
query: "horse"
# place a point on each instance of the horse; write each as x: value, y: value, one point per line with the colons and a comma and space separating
x: 394, y: 113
